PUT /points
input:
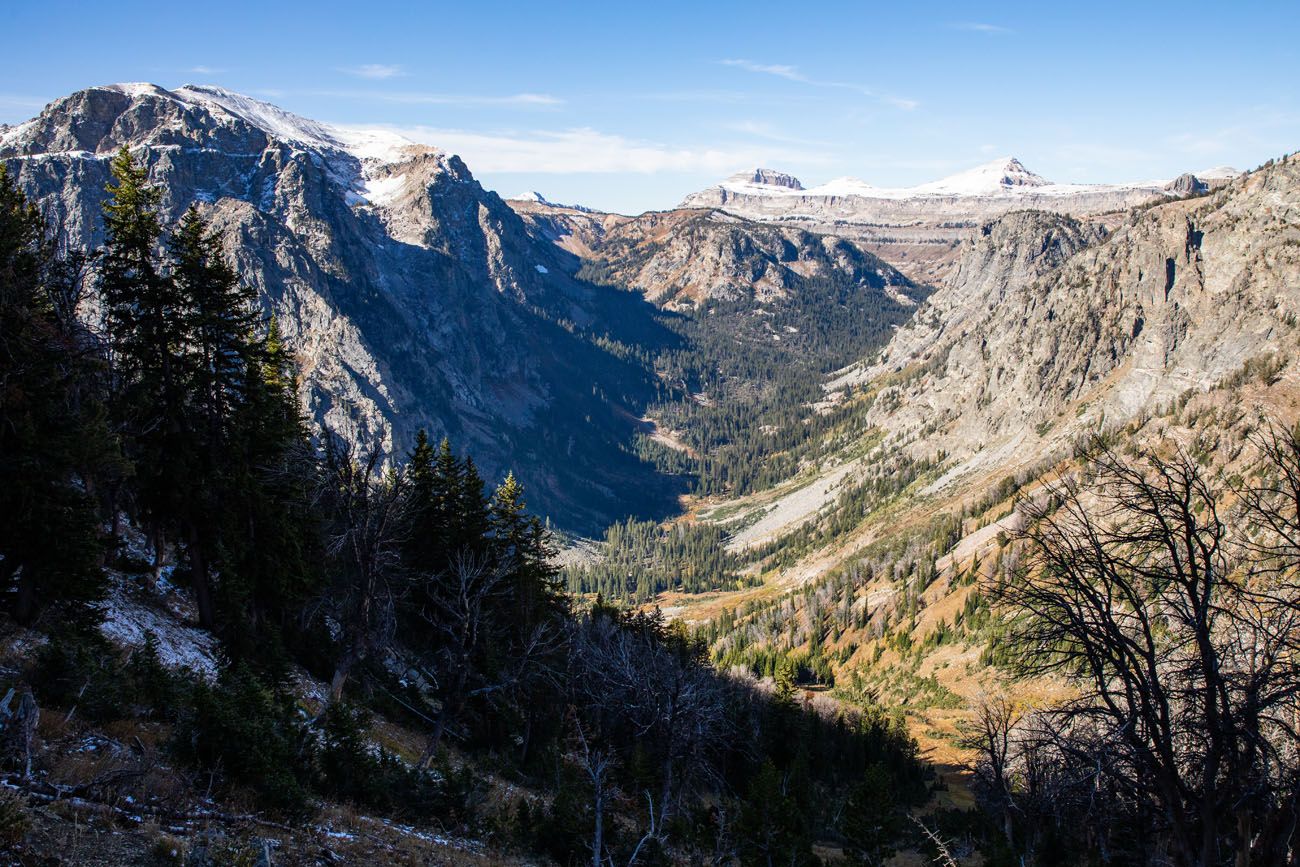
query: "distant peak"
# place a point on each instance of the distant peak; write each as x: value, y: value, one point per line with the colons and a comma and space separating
x: 992, y: 177
x: 537, y: 198
x: 530, y: 196
x: 1218, y: 173
x: 766, y: 178
x: 135, y: 88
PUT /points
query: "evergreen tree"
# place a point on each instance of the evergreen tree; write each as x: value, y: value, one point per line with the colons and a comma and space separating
x: 521, y: 540
x: 49, y: 540
x: 471, y: 515
x: 870, y: 818
x: 218, y: 323
x: 147, y: 326
x: 424, y: 539
x: 221, y: 322
x: 272, y: 558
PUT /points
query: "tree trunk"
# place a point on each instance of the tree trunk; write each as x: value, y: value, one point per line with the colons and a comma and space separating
x: 341, y: 672
x: 25, y: 603
x: 1243, y: 838
x: 159, y: 554
x: 201, y: 579
x: 598, y: 834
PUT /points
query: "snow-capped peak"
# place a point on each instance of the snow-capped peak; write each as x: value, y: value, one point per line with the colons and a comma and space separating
x: 1218, y: 173
x: 538, y: 199
x: 999, y: 176
x: 380, y: 145
x: 377, y: 144
x: 136, y: 88
x: 530, y: 196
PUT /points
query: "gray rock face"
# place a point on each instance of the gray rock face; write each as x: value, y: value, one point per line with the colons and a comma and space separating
x: 1045, y: 330
x: 412, y: 297
x: 679, y: 259
x: 1188, y: 185
x: 917, y: 228
x: 767, y: 178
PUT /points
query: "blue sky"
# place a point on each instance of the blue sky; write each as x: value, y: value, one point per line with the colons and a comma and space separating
x: 628, y: 106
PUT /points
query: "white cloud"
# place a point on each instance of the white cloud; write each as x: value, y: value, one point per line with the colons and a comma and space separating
x: 792, y: 73
x: 206, y: 70
x: 981, y: 27
x: 418, y: 98
x: 780, y: 70
x: 20, y: 101
x: 376, y: 71
x: 586, y: 150
x: 764, y: 130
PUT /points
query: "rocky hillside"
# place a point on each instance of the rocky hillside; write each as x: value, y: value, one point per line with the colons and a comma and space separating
x: 1044, y: 329
x: 916, y: 227
x: 413, y: 297
x: 1050, y: 329
x: 680, y: 259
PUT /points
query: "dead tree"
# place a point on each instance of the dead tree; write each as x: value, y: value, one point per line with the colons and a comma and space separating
x: 1172, y: 607
x: 364, y: 543
x: 470, y: 652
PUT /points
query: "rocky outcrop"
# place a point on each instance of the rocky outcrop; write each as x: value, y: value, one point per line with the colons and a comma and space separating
x: 680, y: 259
x: 1044, y: 331
x: 412, y: 297
x: 918, y: 228
x: 1188, y: 185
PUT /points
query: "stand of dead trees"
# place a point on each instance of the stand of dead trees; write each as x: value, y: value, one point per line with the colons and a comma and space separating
x: 1170, y: 601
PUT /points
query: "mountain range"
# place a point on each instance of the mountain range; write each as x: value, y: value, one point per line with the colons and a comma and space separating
x: 828, y: 398
x: 413, y: 297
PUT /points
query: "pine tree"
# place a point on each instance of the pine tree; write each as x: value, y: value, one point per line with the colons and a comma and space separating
x: 521, y: 540
x: 471, y: 518
x: 218, y: 325
x: 221, y: 322
x: 271, y: 533
x: 48, y: 526
x: 147, y: 326
x: 425, y: 529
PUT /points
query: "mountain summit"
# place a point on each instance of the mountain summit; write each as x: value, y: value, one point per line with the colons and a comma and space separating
x: 413, y: 298
x: 765, y: 178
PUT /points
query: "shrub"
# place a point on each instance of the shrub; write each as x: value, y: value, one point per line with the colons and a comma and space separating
x: 14, y: 820
x: 248, y: 734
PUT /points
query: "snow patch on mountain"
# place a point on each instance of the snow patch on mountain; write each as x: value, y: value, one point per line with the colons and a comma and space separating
x: 536, y: 198
x: 530, y: 196
x: 363, y: 143
x: 1006, y: 176
x: 1218, y: 173
x: 381, y: 191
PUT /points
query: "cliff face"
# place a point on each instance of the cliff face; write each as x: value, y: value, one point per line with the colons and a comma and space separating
x: 1045, y: 330
x: 918, y: 228
x: 412, y: 297
x: 680, y: 259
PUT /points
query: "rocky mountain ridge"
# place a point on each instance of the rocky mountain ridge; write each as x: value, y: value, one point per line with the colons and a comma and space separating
x: 412, y: 296
x: 916, y: 227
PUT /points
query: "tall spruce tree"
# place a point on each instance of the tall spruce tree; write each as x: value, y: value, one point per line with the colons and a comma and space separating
x: 147, y: 326
x: 521, y: 540
x: 49, y: 537
x: 219, y: 322
x: 271, y: 532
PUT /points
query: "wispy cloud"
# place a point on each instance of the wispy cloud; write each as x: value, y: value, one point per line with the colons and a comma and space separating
x: 540, y: 100
x: 793, y: 73
x: 22, y: 101
x: 981, y: 27
x: 206, y: 70
x: 375, y: 71
x: 768, y: 132
x: 586, y: 150
x: 780, y: 70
